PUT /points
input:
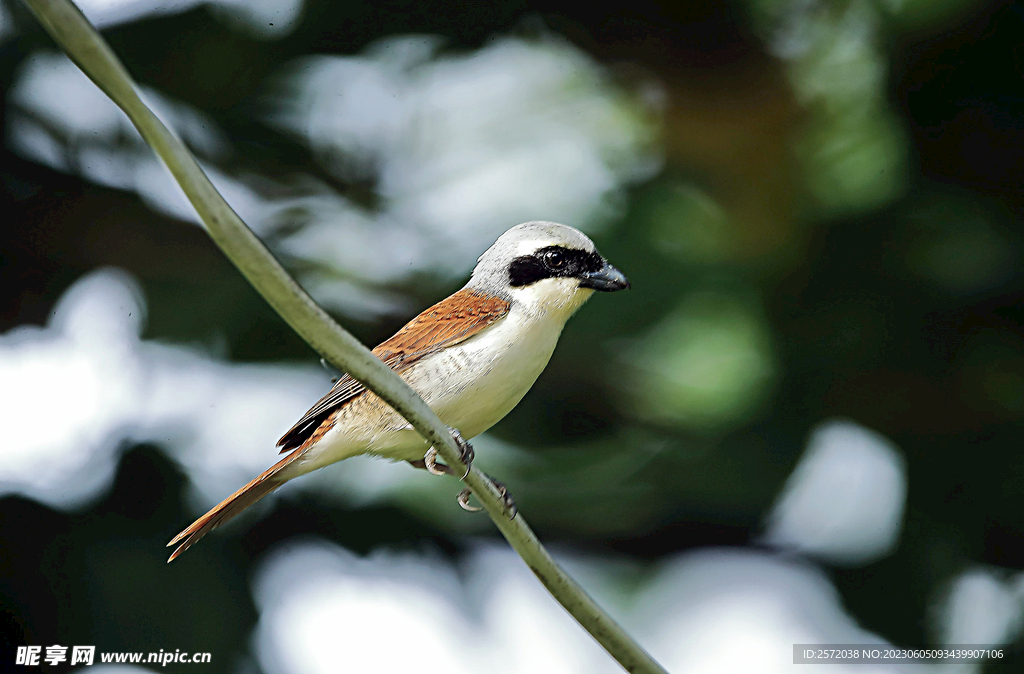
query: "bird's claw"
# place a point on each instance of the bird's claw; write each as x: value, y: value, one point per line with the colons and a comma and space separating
x: 466, y: 455
x: 430, y: 463
x: 463, y: 500
x: 506, y: 499
x: 466, y: 452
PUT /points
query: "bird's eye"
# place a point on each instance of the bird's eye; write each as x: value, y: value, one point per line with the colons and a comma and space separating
x: 554, y: 259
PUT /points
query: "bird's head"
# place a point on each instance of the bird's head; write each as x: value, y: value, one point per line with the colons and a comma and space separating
x: 547, y: 267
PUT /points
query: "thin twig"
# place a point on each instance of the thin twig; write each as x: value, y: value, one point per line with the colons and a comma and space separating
x: 86, y: 47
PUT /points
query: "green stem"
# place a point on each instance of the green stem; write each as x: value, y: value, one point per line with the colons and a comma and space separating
x: 86, y: 47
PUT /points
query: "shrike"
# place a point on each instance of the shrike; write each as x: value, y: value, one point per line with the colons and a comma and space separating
x: 472, y: 357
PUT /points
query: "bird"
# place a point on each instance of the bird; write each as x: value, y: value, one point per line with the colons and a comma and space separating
x: 471, y: 357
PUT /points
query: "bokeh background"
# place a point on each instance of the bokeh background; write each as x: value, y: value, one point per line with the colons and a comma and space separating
x: 802, y: 425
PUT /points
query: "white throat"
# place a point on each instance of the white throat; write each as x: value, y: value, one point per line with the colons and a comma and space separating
x: 555, y: 299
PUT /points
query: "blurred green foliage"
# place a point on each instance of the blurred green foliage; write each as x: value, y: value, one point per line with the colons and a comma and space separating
x: 836, y: 231
x: 707, y: 365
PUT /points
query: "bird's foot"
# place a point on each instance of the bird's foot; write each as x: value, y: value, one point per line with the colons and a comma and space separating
x: 466, y: 454
x: 506, y: 499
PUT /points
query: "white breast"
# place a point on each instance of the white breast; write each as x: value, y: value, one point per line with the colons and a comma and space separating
x: 475, y: 384
x: 471, y: 386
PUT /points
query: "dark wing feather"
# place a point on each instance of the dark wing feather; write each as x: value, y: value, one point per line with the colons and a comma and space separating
x: 445, y: 324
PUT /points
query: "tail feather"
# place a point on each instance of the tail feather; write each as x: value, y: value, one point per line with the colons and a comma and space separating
x: 265, y: 483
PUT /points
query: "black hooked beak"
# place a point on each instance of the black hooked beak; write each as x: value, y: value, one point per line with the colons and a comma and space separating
x: 606, y: 279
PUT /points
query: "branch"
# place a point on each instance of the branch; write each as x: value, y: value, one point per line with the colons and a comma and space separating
x: 73, y: 32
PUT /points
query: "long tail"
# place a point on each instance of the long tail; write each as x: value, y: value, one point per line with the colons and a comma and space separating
x: 265, y: 483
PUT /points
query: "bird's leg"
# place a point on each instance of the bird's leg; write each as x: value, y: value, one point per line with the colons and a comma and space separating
x: 506, y: 499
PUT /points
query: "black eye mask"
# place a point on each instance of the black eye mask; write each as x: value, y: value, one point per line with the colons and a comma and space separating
x: 553, y: 262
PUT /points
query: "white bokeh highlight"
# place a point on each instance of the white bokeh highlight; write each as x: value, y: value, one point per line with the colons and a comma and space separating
x: 324, y: 610
x: 720, y: 611
x: 982, y: 606
x: 61, y: 407
x: 266, y: 19
x: 259, y: 19
x: 844, y: 501
x: 79, y: 389
x: 459, y: 147
x: 60, y: 119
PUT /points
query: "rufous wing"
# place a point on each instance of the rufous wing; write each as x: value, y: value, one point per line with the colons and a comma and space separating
x: 450, y: 321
